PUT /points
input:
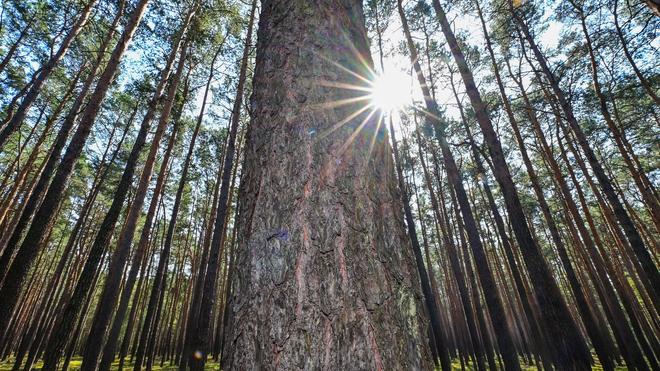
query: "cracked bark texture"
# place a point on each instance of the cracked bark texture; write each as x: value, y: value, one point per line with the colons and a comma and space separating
x: 325, y: 277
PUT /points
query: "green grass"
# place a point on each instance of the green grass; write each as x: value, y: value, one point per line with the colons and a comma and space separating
x: 456, y: 366
x: 77, y: 361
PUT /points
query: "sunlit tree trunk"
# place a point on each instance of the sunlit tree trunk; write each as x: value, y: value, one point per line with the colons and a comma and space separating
x: 45, y: 216
x: 14, y: 120
x: 320, y: 230
x: 120, y: 256
x: 641, y: 250
x: 493, y: 300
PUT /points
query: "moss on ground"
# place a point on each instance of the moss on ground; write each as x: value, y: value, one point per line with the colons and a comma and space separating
x: 77, y: 361
x: 456, y: 366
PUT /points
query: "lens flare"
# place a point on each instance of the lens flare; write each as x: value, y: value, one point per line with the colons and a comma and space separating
x: 390, y: 91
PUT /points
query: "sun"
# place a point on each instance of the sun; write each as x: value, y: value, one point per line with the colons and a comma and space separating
x: 390, y: 91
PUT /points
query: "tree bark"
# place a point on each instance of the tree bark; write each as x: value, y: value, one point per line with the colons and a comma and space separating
x: 321, y: 238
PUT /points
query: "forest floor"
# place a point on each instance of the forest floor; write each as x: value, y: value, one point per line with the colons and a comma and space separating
x: 456, y: 366
x: 77, y: 361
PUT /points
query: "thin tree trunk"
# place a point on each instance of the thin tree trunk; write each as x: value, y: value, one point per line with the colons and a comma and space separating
x: 11, y: 240
x: 648, y: 88
x: 45, y: 216
x: 113, y: 279
x: 203, y: 334
x: 193, y: 312
x: 633, y: 236
x: 9, y: 200
x: 12, y: 49
x: 569, y: 349
x: 162, y: 263
x: 437, y: 335
x: 12, y: 122
x: 431, y: 305
x: 485, y: 274
x: 599, y: 339
x: 622, y: 334
x: 51, y: 295
x: 642, y: 183
x: 197, y: 282
x: 452, y: 253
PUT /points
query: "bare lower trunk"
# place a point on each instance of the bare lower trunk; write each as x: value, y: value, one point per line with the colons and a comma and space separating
x: 120, y: 256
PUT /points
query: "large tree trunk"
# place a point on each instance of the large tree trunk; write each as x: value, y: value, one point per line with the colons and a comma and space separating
x: 325, y: 276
